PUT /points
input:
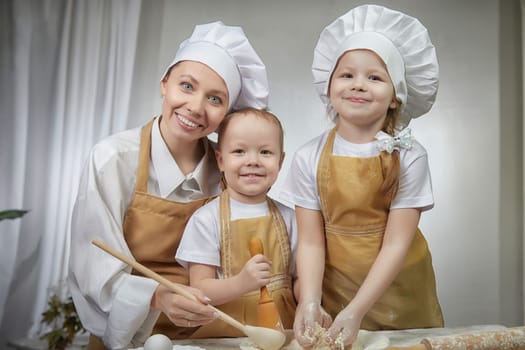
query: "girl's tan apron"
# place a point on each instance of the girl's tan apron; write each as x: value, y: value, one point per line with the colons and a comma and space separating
x: 235, y: 237
x: 153, y: 227
x: 355, y: 215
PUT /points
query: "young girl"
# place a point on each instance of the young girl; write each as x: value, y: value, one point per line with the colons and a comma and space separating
x: 139, y: 188
x: 215, y: 244
x: 359, y: 189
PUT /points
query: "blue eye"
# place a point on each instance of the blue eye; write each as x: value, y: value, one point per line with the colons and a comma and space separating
x: 266, y: 152
x: 186, y: 86
x: 215, y: 100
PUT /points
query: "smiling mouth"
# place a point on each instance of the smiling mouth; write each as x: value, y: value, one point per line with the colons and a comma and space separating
x: 251, y: 175
x: 357, y: 99
x: 187, y: 122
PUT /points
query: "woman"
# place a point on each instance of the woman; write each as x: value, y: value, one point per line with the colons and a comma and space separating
x: 139, y: 188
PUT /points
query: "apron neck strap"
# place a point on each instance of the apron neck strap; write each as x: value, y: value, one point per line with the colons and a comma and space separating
x: 144, y: 157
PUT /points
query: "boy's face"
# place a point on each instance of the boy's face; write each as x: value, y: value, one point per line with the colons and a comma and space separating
x: 250, y: 157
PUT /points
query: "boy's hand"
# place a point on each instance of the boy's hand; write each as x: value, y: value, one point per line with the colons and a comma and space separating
x: 255, y: 273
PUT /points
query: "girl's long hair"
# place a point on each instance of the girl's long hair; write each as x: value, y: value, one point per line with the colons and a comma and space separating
x: 390, y: 163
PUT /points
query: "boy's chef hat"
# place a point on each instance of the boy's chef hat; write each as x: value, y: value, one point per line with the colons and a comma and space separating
x: 227, y: 51
x: 401, y: 41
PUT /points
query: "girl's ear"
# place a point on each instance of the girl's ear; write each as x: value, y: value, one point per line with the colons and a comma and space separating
x: 394, y: 104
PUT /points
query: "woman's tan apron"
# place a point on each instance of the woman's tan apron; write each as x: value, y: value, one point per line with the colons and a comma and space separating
x: 153, y: 227
x: 355, y: 215
x: 235, y: 237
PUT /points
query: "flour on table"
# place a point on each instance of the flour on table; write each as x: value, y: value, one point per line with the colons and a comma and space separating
x: 365, y: 340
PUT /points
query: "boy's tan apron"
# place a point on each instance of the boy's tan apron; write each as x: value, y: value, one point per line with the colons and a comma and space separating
x: 153, y: 227
x: 355, y: 215
x: 235, y: 237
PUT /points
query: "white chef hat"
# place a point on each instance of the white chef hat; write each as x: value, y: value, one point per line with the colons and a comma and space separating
x: 401, y: 41
x: 227, y: 51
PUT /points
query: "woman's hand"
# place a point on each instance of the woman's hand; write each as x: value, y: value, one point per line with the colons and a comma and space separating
x: 306, y: 316
x: 182, y: 311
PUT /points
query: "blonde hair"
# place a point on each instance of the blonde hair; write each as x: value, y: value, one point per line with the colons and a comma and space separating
x: 391, y: 171
x: 259, y: 113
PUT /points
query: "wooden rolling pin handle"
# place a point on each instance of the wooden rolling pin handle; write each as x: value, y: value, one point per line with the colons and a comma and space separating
x: 413, y: 347
x: 256, y: 247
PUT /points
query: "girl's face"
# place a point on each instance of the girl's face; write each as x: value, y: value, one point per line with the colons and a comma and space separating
x: 195, y: 102
x: 361, y: 92
x: 250, y: 157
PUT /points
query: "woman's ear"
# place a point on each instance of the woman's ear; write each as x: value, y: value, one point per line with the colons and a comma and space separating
x: 163, y: 83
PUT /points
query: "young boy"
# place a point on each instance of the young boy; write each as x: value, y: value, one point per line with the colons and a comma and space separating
x: 215, y: 243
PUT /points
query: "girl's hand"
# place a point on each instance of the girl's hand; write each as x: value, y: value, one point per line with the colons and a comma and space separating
x: 344, y: 329
x: 255, y: 273
x: 306, y: 316
x: 182, y: 311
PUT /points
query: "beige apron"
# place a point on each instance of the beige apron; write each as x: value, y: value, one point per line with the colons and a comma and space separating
x: 235, y: 237
x: 355, y: 215
x: 153, y: 227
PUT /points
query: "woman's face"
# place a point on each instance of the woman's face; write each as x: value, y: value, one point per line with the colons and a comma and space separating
x: 195, y: 102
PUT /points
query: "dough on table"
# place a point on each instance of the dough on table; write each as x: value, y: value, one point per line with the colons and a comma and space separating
x: 365, y: 340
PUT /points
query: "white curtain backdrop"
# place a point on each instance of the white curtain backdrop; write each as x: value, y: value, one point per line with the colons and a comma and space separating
x: 66, y: 72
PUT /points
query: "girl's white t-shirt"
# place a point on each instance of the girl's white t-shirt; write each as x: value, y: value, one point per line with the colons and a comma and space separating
x: 415, y: 185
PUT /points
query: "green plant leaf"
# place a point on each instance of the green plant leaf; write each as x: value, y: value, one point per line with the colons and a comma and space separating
x: 62, y: 317
x: 12, y: 214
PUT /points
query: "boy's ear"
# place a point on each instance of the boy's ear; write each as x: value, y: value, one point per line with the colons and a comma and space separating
x: 218, y: 157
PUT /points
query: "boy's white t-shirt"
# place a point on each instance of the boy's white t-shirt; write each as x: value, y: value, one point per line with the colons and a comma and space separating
x: 200, y: 242
x: 415, y: 184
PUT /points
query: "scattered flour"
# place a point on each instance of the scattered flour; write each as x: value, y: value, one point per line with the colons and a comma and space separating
x: 365, y: 341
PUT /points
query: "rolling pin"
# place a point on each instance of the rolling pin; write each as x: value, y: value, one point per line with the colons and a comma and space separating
x: 267, y: 312
x: 504, y: 339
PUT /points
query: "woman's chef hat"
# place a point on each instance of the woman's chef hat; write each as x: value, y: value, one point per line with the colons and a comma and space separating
x: 401, y: 41
x: 227, y: 51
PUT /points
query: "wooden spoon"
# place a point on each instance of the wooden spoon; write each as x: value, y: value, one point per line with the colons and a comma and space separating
x: 265, y: 338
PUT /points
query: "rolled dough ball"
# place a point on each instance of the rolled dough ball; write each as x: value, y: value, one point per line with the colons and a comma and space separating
x: 158, y: 342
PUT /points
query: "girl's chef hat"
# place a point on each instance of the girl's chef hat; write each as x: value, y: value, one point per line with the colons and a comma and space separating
x: 227, y: 51
x: 401, y: 41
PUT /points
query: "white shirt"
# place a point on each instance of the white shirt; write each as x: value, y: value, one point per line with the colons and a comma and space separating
x: 200, y: 242
x: 112, y: 303
x: 415, y: 185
